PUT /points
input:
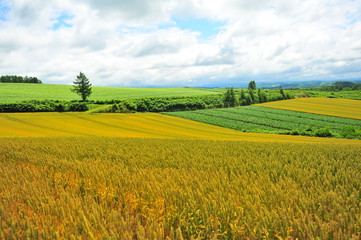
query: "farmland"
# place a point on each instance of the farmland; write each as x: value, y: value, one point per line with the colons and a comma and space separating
x: 153, y: 176
x: 138, y: 125
x: 17, y: 92
x: 328, y: 106
x: 268, y: 120
x: 126, y: 188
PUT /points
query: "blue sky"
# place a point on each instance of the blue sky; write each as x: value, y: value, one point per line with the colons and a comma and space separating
x: 62, y: 21
x: 4, y: 9
x: 205, y: 27
x: 181, y: 42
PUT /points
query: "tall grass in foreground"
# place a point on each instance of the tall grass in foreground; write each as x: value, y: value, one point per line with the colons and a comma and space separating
x: 113, y: 188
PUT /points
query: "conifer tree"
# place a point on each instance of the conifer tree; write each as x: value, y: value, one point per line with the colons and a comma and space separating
x: 252, y: 85
x: 82, y: 86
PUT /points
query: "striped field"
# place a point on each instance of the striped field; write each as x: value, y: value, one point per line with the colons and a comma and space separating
x: 138, y: 125
x: 328, y: 106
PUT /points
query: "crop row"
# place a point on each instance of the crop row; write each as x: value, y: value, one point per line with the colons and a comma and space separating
x: 297, y: 120
x: 259, y: 119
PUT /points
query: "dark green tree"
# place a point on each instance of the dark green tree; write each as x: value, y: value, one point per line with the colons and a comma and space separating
x: 252, y: 85
x: 283, y: 94
x: 82, y: 86
x: 242, y: 98
x: 234, y: 101
x: 227, y: 98
x: 230, y: 99
x: 253, y: 96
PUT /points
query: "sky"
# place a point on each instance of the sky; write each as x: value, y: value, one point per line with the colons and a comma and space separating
x: 176, y: 43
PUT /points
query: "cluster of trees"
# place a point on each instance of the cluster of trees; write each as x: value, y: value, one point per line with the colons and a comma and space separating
x: 18, y: 79
x: 251, y: 96
x: 341, y: 86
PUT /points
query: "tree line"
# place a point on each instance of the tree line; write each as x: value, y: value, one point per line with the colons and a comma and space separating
x: 231, y: 98
x: 19, y: 79
x: 252, y: 95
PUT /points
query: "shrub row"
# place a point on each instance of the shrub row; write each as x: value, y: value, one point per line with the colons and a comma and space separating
x: 44, y: 107
x: 168, y: 104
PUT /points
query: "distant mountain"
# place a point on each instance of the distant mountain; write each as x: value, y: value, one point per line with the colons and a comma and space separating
x: 301, y: 84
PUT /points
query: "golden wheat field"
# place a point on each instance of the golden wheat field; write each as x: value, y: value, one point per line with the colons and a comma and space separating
x: 124, y: 188
x: 150, y: 176
x: 328, y: 106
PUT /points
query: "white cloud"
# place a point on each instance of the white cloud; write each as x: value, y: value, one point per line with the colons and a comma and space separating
x: 133, y: 43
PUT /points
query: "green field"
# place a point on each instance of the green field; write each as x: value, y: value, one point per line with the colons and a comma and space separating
x: 268, y: 120
x: 17, y: 92
x: 356, y: 94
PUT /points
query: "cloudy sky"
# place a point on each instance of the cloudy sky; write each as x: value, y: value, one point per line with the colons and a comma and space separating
x: 181, y: 42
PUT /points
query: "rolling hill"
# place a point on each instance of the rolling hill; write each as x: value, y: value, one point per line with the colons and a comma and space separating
x: 17, y: 92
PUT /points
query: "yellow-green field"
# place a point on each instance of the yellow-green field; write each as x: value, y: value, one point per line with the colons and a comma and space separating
x: 328, y: 106
x: 151, y: 176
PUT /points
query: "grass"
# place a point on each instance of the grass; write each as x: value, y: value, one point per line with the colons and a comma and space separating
x: 328, y: 106
x: 124, y: 188
x: 16, y: 92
